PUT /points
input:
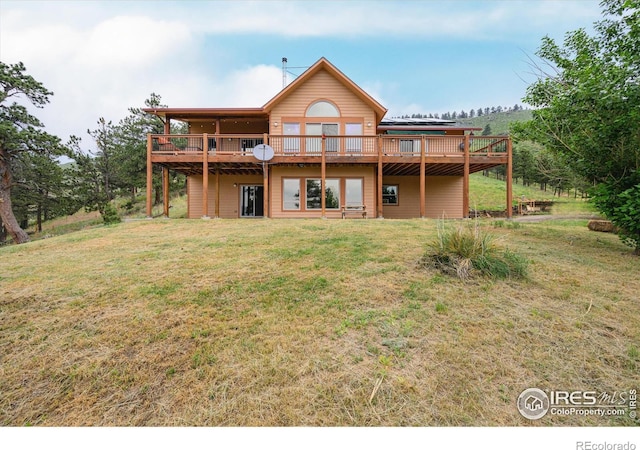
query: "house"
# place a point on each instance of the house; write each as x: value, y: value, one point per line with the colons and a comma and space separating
x: 321, y: 134
x: 533, y: 403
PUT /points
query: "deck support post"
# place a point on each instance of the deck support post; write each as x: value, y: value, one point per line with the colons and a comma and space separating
x: 380, y: 204
x: 205, y: 184
x: 509, y: 178
x: 217, y: 211
x: 149, y: 176
x: 465, y: 179
x: 265, y: 190
x: 266, y: 213
x: 423, y: 187
x: 323, y: 180
x: 165, y: 192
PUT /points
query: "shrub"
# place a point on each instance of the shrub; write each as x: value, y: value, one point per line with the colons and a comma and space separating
x: 465, y: 251
x: 622, y: 208
x: 109, y: 214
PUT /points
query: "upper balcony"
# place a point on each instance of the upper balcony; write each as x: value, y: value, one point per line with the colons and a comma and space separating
x: 233, y: 147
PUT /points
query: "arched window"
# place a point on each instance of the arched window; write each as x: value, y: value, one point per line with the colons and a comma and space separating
x: 323, y: 108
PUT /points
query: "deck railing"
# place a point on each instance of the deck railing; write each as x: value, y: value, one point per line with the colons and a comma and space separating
x: 388, y: 145
x: 334, y: 145
x: 174, y: 144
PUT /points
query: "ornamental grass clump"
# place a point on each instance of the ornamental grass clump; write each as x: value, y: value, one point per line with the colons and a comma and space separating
x: 467, y: 250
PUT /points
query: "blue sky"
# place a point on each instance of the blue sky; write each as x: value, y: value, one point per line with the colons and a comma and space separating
x: 101, y: 57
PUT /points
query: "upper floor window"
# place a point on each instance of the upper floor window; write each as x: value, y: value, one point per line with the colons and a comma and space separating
x: 323, y: 108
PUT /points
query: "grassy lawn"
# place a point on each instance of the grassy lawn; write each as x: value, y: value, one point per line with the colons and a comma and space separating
x: 486, y: 193
x: 307, y: 322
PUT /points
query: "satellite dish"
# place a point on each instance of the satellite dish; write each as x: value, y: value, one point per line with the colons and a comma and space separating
x: 263, y: 152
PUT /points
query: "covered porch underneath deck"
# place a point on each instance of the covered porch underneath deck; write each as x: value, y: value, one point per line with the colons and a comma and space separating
x: 378, y: 160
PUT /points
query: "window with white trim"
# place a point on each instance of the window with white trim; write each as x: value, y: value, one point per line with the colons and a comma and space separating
x: 353, y: 195
x: 291, y: 194
x: 314, y: 190
x: 322, y: 108
x: 410, y: 146
x: 291, y: 144
x: 353, y: 144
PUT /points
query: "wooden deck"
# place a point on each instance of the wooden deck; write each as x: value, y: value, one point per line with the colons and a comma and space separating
x: 400, y: 155
x: 391, y: 155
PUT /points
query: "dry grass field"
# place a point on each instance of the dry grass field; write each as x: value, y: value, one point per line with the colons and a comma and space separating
x: 308, y: 322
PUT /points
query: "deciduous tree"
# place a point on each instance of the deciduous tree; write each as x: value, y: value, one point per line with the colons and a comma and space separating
x: 588, y: 110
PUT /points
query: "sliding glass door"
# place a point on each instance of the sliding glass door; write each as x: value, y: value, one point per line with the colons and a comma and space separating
x: 252, y: 201
x: 314, y: 145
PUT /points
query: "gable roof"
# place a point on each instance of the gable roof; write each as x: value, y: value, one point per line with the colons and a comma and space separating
x: 324, y: 64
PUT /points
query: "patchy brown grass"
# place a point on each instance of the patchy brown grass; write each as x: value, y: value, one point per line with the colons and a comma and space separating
x: 306, y: 322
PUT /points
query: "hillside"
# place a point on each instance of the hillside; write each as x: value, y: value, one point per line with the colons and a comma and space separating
x: 499, y: 122
x: 307, y: 322
x: 487, y: 193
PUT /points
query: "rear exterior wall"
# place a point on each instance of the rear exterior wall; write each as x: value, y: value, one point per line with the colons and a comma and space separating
x: 443, y: 197
x: 443, y: 193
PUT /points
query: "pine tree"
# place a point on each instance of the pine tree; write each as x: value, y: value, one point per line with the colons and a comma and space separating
x: 21, y: 136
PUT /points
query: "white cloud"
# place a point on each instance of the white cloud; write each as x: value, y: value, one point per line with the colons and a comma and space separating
x: 413, y: 19
x: 130, y: 41
x: 99, y: 58
x: 445, y: 19
x: 96, y: 70
x: 102, y: 67
x: 251, y: 87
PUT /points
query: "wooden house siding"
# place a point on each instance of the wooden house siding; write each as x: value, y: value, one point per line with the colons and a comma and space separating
x: 229, y: 194
x: 322, y: 86
x: 408, y: 198
x: 194, y: 196
x: 443, y: 194
x: 443, y: 197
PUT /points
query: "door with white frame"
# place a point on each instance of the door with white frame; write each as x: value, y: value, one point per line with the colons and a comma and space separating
x: 314, y: 145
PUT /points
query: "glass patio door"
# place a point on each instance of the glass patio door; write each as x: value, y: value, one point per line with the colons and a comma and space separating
x: 252, y: 201
x: 314, y: 145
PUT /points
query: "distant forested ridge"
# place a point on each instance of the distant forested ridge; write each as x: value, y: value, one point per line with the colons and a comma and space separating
x: 455, y: 115
x: 498, y: 118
